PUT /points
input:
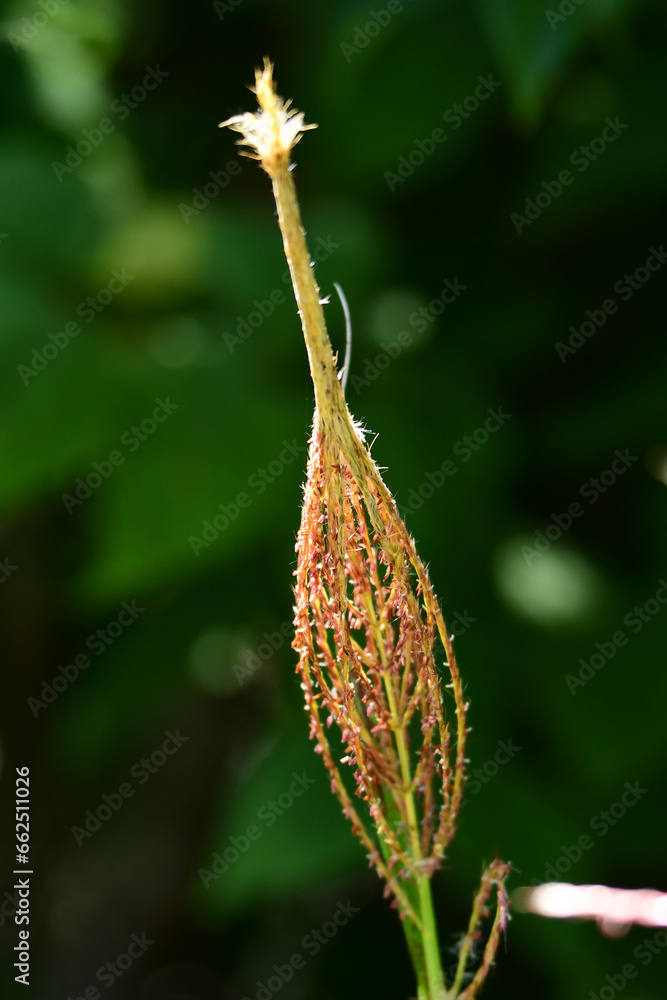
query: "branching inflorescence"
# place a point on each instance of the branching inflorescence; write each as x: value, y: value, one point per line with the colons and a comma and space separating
x: 368, y: 628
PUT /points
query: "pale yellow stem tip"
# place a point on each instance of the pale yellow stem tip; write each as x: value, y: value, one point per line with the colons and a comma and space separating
x: 274, y: 130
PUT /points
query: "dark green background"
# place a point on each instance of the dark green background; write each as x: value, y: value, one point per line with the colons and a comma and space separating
x: 164, y: 337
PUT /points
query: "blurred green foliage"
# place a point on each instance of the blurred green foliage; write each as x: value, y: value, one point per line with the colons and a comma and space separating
x: 112, y: 221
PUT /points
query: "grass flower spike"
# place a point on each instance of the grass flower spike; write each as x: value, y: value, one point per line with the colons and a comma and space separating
x: 369, y: 630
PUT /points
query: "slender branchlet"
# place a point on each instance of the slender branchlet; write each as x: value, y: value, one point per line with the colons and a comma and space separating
x: 369, y: 626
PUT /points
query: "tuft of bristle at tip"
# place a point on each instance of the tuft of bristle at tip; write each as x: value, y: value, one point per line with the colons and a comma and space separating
x: 272, y: 132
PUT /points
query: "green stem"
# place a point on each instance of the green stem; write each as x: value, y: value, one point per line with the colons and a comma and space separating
x: 413, y: 929
x: 432, y: 966
x: 434, y: 975
x: 422, y: 940
x: 416, y: 948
